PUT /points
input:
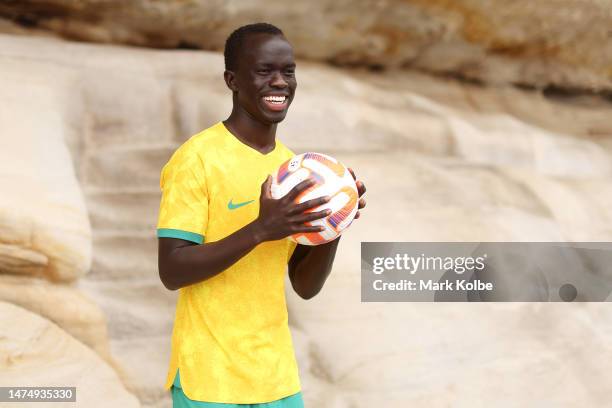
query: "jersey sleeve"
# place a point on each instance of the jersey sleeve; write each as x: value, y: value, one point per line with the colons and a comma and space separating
x: 183, y: 211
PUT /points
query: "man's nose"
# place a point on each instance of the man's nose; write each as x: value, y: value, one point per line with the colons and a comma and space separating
x: 278, y: 81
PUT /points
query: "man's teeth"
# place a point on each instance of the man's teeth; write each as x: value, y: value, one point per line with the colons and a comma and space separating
x: 275, y: 99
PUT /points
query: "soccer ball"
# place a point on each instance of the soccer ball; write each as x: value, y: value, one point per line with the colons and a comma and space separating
x: 332, y: 179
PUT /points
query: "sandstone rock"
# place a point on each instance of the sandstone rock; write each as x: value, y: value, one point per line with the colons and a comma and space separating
x: 534, y: 43
x: 135, y: 308
x: 424, y: 354
x: 443, y: 161
x: 35, y: 352
x: 123, y: 256
x: 143, y: 364
x: 42, y: 213
x: 65, y: 306
x: 17, y: 260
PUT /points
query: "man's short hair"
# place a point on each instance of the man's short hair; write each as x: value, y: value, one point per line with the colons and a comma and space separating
x: 235, y: 41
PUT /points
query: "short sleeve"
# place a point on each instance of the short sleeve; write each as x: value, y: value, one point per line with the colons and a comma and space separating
x: 183, y: 211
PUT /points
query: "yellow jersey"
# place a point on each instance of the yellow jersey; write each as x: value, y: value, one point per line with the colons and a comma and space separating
x: 231, y: 339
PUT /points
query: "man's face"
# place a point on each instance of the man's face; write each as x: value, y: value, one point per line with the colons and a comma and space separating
x: 265, y: 78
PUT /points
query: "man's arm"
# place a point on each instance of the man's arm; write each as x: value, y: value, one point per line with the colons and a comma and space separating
x: 182, y: 263
x: 310, y: 266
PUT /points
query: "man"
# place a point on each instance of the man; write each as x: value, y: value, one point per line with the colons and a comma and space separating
x: 223, y: 240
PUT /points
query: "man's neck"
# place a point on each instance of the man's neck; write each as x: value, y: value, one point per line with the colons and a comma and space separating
x: 259, y: 136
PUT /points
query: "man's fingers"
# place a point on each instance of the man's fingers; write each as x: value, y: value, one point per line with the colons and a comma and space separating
x: 357, y: 215
x: 295, y: 191
x: 302, y: 218
x: 352, y: 173
x: 361, y: 188
x: 308, y: 228
x: 315, y: 202
x: 362, y: 203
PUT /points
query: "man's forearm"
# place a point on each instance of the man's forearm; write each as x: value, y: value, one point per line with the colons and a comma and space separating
x: 191, y: 264
x: 309, y: 273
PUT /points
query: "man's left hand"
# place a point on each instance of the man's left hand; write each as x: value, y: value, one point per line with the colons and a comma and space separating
x: 361, y: 189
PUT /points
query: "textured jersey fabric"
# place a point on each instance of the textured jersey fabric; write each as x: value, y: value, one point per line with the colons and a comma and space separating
x: 231, y: 337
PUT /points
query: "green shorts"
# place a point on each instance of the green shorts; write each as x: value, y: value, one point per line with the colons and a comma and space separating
x: 180, y: 400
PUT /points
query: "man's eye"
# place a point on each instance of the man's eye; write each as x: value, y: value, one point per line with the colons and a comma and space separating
x: 290, y: 72
x: 263, y: 71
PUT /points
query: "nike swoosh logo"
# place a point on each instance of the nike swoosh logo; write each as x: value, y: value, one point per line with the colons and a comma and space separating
x: 233, y: 206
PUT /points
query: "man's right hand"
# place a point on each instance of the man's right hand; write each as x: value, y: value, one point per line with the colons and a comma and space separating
x: 279, y: 218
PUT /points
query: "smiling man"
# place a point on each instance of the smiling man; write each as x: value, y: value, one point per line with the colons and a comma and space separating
x: 223, y: 240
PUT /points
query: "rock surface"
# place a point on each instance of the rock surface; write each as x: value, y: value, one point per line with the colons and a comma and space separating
x: 44, y: 226
x: 565, y: 43
x: 443, y: 161
x: 35, y: 352
x: 65, y: 306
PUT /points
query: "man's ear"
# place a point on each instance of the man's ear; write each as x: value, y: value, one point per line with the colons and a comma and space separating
x: 230, y: 80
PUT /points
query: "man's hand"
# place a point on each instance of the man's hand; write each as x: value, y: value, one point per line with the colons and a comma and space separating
x: 283, y: 217
x: 361, y: 189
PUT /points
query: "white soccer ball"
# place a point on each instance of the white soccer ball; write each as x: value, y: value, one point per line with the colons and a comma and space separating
x: 332, y: 179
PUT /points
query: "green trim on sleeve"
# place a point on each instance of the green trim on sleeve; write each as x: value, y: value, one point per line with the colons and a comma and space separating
x: 180, y: 234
